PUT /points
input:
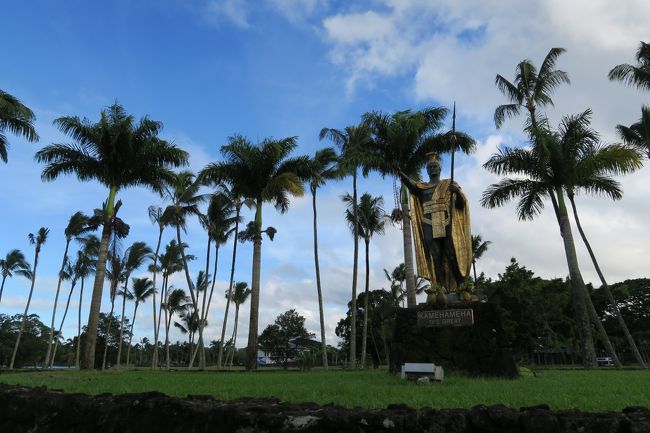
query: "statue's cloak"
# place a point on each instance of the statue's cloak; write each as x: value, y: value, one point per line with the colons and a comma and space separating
x: 460, y: 235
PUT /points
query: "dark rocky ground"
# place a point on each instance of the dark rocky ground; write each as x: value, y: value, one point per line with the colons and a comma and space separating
x: 41, y: 410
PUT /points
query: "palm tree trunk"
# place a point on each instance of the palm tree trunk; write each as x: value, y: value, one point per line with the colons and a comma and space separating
x: 255, y: 290
x: 474, y: 268
x: 108, y: 332
x: 364, y: 338
x: 201, y: 347
x: 608, y: 292
x: 128, y: 349
x: 119, y: 349
x: 577, y: 287
x: 81, y: 297
x: 232, y: 281
x: 65, y: 313
x: 234, y: 337
x: 214, y: 280
x: 2, y: 287
x: 98, y: 286
x: 353, y: 328
x: 318, y: 286
x: 604, y: 338
x: 190, y: 284
x: 163, y: 301
x: 29, y: 300
x: 154, y: 358
x: 407, y: 236
x: 56, y: 301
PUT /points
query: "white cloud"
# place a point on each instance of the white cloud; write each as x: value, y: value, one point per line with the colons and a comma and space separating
x: 235, y: 11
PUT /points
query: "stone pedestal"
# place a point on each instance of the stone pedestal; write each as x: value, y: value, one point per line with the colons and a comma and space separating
x: 480, y: 349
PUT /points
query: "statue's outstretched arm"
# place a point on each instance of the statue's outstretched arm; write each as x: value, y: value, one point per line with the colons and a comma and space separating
x: 410, y: 183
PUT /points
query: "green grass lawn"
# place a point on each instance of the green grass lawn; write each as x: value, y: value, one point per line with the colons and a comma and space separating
x: 587, y: 390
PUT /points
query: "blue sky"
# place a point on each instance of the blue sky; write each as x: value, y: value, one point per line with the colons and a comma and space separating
x: 209, y: 69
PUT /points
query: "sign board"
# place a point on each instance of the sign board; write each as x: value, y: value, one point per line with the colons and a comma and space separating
x: 438, y: 318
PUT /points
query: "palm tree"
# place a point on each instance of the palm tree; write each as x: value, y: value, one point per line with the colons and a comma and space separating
x: 201, y: 285
x: 85, y: 266
x: 15, y: 118
x: 323, y: 167
x: 371, y: 220
x: 183, y: 192
x: 37, y: 240
x: 632, y: 75
x: 14, y: 263
x: 401, y: 144
x: 115, y: 276
x: 134, y: 257
x: 238, y: 297
x: 77, y: 226
x: 177, y: 303
x: 220, y: 223
x: 637, y: 134
x: 142, y: 290
x: 530, y: 88
x: 479, y: 247
x: 544, y: 168
x: 396, y: 279
x: 353, y: 143
x: 67, y: 274
x: 119, y: 154
x: 262, y: 173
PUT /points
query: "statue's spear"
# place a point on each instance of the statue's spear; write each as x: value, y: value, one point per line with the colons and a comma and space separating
x: 453, y: 152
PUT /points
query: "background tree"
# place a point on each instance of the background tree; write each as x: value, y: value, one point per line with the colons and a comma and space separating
x: 353, y: 143
x: 239, y: 296
x: 14, y: 263
x: 323, y: 167
x: 370, y: 221
x: 479, y: 247
x: 177, y: 303
x: 635, y: 75
x: 263, y: 173
x: 15, y: 118
x: 37, y: 240
x: 142, y: 290
x: 280, y: 339
x: 637, y: 134
x: 32, y: 344
x: 118, y: 153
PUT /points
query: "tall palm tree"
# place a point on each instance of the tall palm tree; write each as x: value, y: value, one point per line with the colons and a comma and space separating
x: 239, y: 296
x: 530, y: 88
x: 479, y: 247
x: 323, y: 167
x: 142, y: 290
x: 119, y: 153
x: 115, y: 276
x: 134, y: 257
x: 183, y: 192
x: 402, y: 141
x: 637, y: 134
x: 221, y: 220
x: 353, y: 142
x: 14, y: 263
x: 370, y: 220
x: 15, y: 118
x: 632, y: 75
x: 84, y: 266
x: 542, y: 171
x: 67, y: 274
x: 159, y: 218
x: 177, y: 303
x: 37, y: 240
x: 262, y: 173
x: 201, y: 285
x: 77, y: 226
x: 590, y: 166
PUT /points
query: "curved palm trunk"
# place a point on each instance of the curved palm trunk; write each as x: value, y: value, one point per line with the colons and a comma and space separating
x: 108, y: 332
x: 234, y: 337
x: 98, y: 286
x: 608, y: 292
x: 577, y: 287
x: 214, y: 280
x: 251, y: 363
x: 602, y: 334
x: 163, y: 301
x: 29, y: 300
x: 230, y: 285
x: 190, y: 285
x: 65, y: 313
x: 2, y: 286
x: 318, y: 286
x: 56, y: 301
x: 154, y: 357
x: 353, y: 327
x: 128, y: 349
x: 407, y: 236
x: 200, y: 347
x: 119, y: 349
x: 78, y: 354
x: 364, y: 338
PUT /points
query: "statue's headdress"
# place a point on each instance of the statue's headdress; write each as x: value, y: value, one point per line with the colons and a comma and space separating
x: 433, y: 158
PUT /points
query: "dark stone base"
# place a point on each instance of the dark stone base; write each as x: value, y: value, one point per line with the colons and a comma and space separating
x: 25, y: 410
x: 480, y: 349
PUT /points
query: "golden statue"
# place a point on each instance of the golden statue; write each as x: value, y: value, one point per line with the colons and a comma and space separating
x: 443, y: 251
